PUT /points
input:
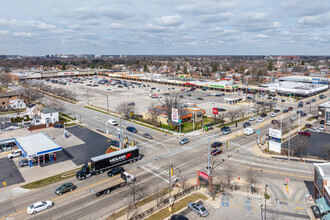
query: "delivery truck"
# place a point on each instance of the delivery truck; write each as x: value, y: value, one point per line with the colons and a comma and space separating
x: 249, y: 131
x: 108, y: 161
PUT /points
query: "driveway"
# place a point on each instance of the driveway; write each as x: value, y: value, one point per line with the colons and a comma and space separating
x: 9, y: 173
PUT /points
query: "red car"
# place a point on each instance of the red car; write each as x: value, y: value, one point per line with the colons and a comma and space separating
x: 290, y: 109
x: 216, y: 152
x: 305, y: 133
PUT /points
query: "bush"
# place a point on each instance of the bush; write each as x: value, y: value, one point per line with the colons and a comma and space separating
x: 267, y: 196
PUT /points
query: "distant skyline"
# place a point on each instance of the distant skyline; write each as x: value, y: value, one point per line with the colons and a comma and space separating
x: 165, y: 27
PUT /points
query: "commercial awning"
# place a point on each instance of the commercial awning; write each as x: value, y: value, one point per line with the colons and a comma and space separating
x: 323, y: 205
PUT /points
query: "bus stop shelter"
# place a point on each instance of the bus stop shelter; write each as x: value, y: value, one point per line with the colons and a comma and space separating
x: 38, y: 145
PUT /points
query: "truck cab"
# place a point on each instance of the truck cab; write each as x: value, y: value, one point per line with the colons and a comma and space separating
x: 129, y: 178
x: 84, y: 172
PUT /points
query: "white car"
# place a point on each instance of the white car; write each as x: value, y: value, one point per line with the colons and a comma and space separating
x: 321, y: 128
x: 292, y: 118
x: 272, y: 115
x: 15, y: 153
x: 260, y: 119
x: 39, y: 206
x: 252, y: 119
x: 113, y: 122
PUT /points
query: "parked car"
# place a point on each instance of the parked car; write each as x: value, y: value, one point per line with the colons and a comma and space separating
x: 178, y: 217
x: 282, y: 100
x: 304, y: 133
x: 199, y: 98
x: 303, y: 114
x: 198, y: 208
x: 113, y: 122
x: 115, y: 171
x: 66, y: 187
x: 246, y: 124
x: 23, y: 163
x: 276, y: 110
x: 216, y: 152
x: 221, y: 109
x: 131, y: 129
x: 272, y: 114
x: 184, y: 141
x: 252, y: 119
x: 58, y: 126
x: 308, y: 125
x: 314, y: 130
x: 274, y: 121
x: 216, y: 144
x: 313, y: 100
x: 146, y: 135
x: 15, y: 153
x: 322, y: 122
x: 39, y: 206
x: 290, y: 108
x: 321, y: 128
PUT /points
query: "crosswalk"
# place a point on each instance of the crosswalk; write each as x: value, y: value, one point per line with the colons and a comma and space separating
x: 159, y: 172
x: 241, y: 146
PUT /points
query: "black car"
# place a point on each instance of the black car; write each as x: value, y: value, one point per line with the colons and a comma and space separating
x: 285, y: 111
x: 276, y: 110
x: 303, y: 114
x: 181, y: 96
x: 246, y: 124
x: 188, y: 94
x: 263, y: 115
x: 299, y: 111
x: 221, y: 109
x: 216, y: 144
x: 58, y: 126
x: 308, y: 125
x: 225, y: 128
x: 115, y: 171
x: 282, y: 100
x: 66, y: 187
x: 200, y: 98
x: 269, y: 97
x: 131, y: 129
x: 178, y: 217
x: 322, y: 122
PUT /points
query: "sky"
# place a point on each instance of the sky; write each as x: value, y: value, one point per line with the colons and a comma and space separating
x: 165, y: 27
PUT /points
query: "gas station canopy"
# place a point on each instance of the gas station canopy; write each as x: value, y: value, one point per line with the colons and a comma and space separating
x: 37, y: 144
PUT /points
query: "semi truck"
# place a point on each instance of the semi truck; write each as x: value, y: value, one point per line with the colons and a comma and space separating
x: 128, y: 179
x: 108, y: 161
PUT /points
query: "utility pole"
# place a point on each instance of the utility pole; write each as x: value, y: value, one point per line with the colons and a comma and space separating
x: 107, y: 103
x: 121, y: 135
x: 299, y: 121
x: 87, y: 97
x: 193, y: 120
x: 258, y: 133
x: 106, y: 126
x: 180, y: 117
x: 208, y: 157
x: 265, y: 201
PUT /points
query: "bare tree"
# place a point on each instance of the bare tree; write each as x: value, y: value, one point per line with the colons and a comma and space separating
x: 153, y: 113
x: 228, y: 172
x: 31, y: 94
x: 170, y: 102
x: 56, y: 105
x: 232, y: 114
x: 183, y: 181
x: 124, y: 109
x: 137, y: 192
x: 252, y: 175
x: 159, y: 196
x: 6, y: 80
x: 131, y: 209
x: 300, y: 147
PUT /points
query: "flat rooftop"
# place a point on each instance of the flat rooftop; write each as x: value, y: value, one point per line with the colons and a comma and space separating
x: 37, y: 144
x: 324, y: 169
x: 325, y: 104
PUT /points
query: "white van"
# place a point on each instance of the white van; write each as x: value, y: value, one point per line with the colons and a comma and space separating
x: 249, y: 131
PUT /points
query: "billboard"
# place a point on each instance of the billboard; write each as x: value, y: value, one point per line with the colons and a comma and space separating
x: 175, y: 115
x: 275, y: 133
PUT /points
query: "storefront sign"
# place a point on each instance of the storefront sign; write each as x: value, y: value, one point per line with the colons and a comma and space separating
x: 215, y: 111
x: 175, y: 115
x: 275, y: 133
x: 204, y: 175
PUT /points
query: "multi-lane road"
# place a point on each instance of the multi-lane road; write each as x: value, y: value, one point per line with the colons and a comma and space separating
x: 152, y: 170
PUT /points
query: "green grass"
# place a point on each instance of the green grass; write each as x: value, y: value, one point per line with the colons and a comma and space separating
x: 188, y: 126
x: 164, y: 213
x: 11, y: 112
x: 63, y: 119
x: 50, y: 180
x: 67, y: 116
x: 311, y: 119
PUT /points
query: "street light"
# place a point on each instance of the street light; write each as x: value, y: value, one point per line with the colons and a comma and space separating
x: 169, y: 177
x: 265, y: 201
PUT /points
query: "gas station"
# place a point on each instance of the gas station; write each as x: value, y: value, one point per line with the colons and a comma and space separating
x: 37, y: 146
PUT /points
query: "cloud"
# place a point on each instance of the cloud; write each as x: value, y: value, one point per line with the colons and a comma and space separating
x: 297, y: 8
x: 255, y: 22
x: 205, y: 7
x: 214, y: 18
x: 314, y: 21
x: 25, y: 24
x: 173, y: 20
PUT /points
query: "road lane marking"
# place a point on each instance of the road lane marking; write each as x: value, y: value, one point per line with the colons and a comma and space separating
x: 155, y: 174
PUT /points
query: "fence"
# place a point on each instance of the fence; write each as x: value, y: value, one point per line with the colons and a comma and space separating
x: 163, y: 204
x: 35, y: 127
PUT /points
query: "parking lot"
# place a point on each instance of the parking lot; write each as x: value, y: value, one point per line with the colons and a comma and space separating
x: 9, y: 173
x: 315, y: 145
x: 140, y: 95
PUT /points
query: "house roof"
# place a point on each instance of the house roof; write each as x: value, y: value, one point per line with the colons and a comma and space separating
x: 8, y: 125
x: 48, y: 110
x: 13, y: 98
x: 8, y: 94
x: 31, y: 106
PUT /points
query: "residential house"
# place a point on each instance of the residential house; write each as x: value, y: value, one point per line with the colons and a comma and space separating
x: 48, y: 115
x: 5, y: 97
x: 17, y: 103
x: 7, y: 126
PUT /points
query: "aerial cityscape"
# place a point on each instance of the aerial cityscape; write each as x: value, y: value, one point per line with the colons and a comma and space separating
x: 163, y: 109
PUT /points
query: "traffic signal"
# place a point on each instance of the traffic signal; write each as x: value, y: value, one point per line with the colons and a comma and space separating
x: 171, y: 171
x: 227, y: 144
x: 133, y: 143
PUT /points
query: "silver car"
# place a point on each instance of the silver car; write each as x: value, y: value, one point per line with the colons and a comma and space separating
x: 184, y: 141
x: 198, y: 208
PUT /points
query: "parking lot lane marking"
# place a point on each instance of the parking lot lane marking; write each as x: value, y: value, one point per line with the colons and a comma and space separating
x: 286, y: 174
x: 155, y: 174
